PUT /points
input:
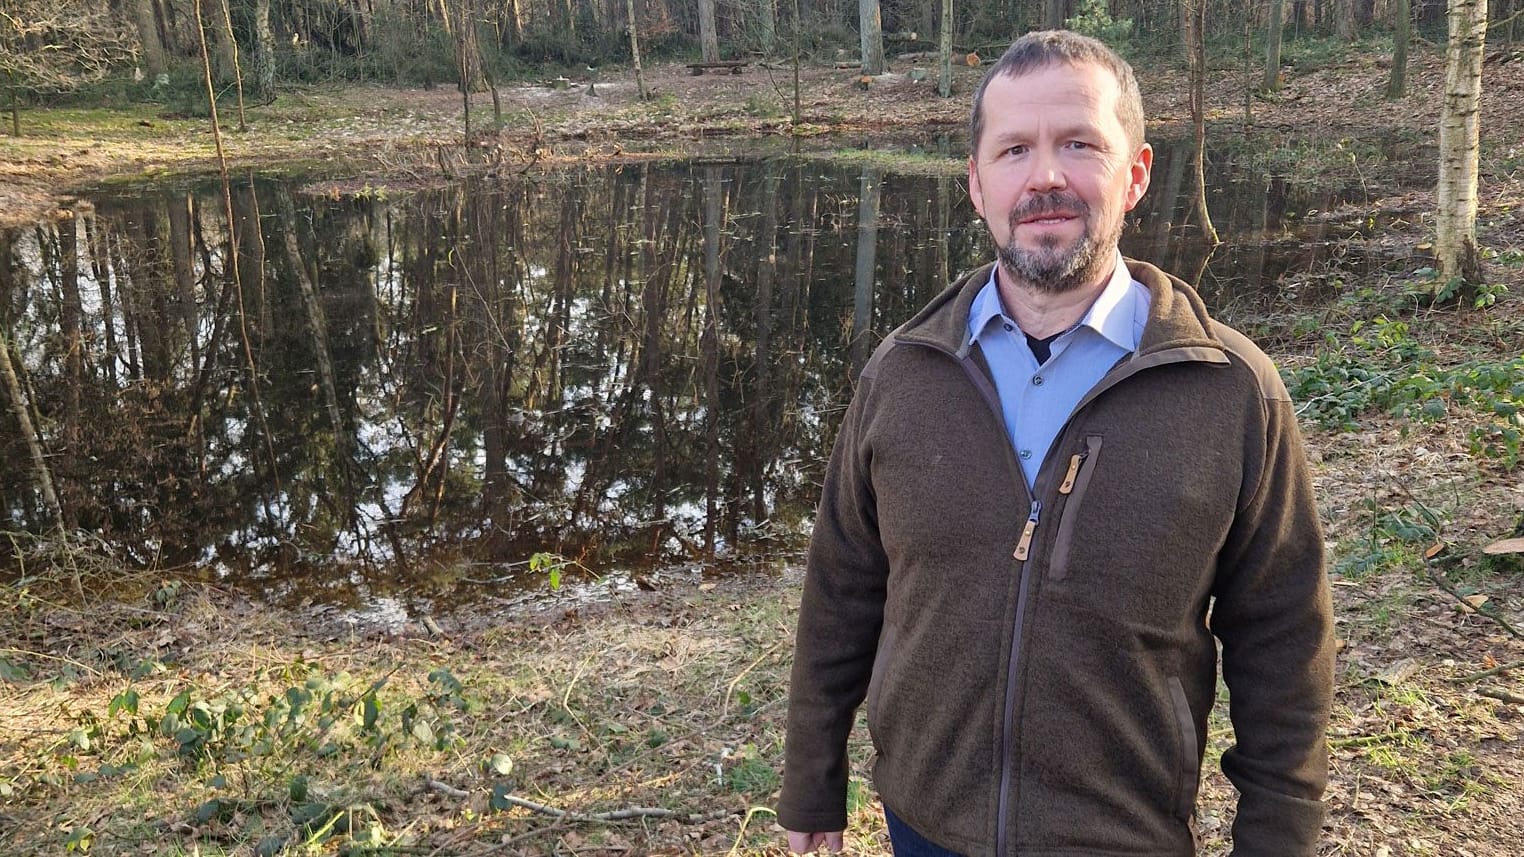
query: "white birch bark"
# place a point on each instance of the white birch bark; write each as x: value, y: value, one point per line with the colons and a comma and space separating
x: 1459, y: 143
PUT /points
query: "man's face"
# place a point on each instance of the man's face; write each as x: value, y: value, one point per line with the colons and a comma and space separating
x: 1053, y: 174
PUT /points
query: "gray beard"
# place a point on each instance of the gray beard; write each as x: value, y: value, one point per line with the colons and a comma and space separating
x: 1051, y: 268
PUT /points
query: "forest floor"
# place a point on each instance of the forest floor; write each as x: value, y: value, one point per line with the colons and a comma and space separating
x: 179, y: 717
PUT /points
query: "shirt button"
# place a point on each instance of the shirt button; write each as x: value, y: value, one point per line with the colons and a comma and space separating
x: 1026, y: 454
x: 1037, y: 380
x: 1009, y: 327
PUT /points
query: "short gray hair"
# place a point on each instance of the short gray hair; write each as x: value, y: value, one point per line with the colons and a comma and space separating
x: 1044, y: 48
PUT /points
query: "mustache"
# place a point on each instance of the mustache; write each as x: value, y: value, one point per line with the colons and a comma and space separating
x: 1055, y: 202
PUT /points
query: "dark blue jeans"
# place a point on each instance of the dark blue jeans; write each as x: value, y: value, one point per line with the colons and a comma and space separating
x: 908, y: 843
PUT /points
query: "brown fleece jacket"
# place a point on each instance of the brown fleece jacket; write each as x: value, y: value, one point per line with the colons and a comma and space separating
x: 1038, y: 670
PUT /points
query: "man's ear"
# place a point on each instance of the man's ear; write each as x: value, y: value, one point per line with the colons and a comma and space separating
x: 1139, y: 173
x: 975, y: 190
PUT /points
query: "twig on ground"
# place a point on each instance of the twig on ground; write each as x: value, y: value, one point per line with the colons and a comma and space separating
x: 1501, y: 695
x: 448, y: 790
x: 1444, y: 583
x: 612, y: 815
x: 1490, y: 672
x: 566, y: 698
x: 1367, y: 740
x: 731, y: 688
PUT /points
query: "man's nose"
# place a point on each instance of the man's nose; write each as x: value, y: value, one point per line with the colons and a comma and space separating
x: 1047, y: 173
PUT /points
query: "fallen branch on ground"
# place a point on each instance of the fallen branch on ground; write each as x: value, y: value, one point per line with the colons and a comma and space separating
x: 613, y: 815
x: 1501, y: 695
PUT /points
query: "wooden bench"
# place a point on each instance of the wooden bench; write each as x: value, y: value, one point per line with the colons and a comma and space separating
x: 733, y: 66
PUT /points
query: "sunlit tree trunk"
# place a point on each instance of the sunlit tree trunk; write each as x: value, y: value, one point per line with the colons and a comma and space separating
x: 871, y: 23
x: 148, y: 37
x: 223, y: 48
x: 709, y: 41
x: 1273, y: 27
x: 640, y: 76
x: 1195, y: 40
x: 1402, y: 24
x: 1459, y: 137
x: 944, y: 50
x: 264, y: 50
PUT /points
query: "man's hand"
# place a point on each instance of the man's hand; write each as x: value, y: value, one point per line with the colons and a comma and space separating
x: 809, y: 843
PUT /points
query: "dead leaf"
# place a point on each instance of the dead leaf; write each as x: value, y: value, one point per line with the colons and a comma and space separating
x: 1434, y: 550
x: 1504, y: 546
x: 1471, y: 603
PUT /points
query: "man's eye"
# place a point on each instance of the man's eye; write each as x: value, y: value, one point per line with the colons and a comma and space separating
x: 1078, y: 144
x: 1016, y: 150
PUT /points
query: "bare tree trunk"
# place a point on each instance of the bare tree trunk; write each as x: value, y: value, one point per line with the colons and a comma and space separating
x: 264, y: 50
x: 148, y: 37
x: 22, y: 414
x: 944, y: 51
x: 1459, y: 136
x: 1195, y: 40
x: 15, y: 105
x: 871, y: 23
x: 798, y: 112
x: 769, y: 13
x: 1402, y: 33
x: 1345, y: 22
x: 640, y: 76
x: 1053, y: 14
x: 709, y: 40
x: 1273, y: 46
x: 228, y: 49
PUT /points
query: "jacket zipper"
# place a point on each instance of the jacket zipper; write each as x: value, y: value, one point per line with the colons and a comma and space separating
x: 1007, y: 725
x: 1075, y: 462
x: 1024, y: 545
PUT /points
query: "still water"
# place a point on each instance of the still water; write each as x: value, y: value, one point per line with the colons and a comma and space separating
x: 634, y: 367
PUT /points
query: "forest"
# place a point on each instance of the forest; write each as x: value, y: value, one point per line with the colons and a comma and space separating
x: 412, y: 412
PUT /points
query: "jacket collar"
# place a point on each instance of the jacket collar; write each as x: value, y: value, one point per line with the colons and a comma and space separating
x: 1177, y: 318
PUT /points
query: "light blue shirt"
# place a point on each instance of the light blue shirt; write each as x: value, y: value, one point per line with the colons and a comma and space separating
x: 1036, y: 400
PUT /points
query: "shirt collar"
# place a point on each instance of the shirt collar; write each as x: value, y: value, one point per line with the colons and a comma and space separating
x: 1111, y: 315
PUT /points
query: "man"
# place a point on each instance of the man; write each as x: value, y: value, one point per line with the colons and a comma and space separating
x: 1055, y: 486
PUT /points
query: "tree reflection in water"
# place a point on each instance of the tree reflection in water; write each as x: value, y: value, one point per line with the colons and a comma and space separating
x: 632, y: 366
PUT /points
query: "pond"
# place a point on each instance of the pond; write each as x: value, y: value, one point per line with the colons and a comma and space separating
x: 409, y: 395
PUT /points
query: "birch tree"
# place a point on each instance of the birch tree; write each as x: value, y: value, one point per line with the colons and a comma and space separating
x: 1459, y: 144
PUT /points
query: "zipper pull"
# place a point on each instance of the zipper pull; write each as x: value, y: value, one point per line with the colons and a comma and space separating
x: 1074, y: 467
x: 1024, y: 546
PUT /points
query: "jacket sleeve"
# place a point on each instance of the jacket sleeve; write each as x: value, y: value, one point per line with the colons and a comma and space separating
x: 839, y: 619
x: 1274, y: 616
